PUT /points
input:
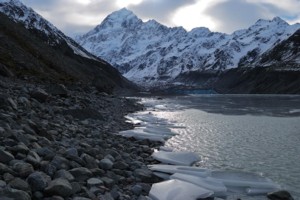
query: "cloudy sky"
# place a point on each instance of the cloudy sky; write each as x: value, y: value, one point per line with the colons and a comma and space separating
x: 79, y: 16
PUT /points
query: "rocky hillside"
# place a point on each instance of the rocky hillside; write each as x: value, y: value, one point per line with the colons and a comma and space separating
x: 150, y: 53
x: 33, y: 47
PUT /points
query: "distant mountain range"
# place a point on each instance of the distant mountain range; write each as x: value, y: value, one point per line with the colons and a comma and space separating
x: 152, y: 54
x: 265, y: 58
x: 32, y: 46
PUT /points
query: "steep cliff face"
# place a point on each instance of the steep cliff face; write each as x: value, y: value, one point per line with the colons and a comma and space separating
x: 152, y: 54
x: 31, y: 46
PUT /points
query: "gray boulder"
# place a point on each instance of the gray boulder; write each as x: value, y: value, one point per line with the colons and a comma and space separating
x: 280, y: 195
x: 23, y: 169
x: 5, y: 157
x: 38, y: 181
x: 81, y: 173
x: 10, y: 193
x: 105, y: 164
x: 19, y: 184
x: 60, y: 187
x: 39, y: 94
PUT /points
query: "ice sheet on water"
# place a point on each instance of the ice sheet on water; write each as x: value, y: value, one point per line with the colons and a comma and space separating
x: 176, y: 158
x: 235, y: 182
x: 244, y: 182
x: 133, y: 120
x: 167, y: 149
x: 217, y: 187
x: 172, y: 169
x: 177, y: 190
x: 139, y: 134
x: 160, y: 130
x: 243, y: 179
x: 162, y: 175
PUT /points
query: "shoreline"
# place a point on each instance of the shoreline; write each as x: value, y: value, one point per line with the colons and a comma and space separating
x: 59, y: 142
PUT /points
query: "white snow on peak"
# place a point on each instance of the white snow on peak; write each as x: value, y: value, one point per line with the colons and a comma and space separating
x: 152, y: 54
x: 18, y: 12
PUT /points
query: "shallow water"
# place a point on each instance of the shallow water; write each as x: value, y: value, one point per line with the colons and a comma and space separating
x: 255, y: 133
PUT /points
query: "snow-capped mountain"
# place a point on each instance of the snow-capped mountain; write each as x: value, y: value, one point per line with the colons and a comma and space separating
x: 150, y: 53
x: 32, y: 47
x: 18, y: 12
x: 284, y: 55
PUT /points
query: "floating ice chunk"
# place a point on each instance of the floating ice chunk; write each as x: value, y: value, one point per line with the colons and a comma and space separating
x: 161, y: 107
x: 159, y: 131
x: 218, y: 188
x: 172, y: 169
x: 178, y: 190
x: 176, y: 158
x: 167, y: 149
x: 133, y: 120
x: 260, y: 191
x: 162, y: 175
x: 140, y: 135
x: 244, y: 182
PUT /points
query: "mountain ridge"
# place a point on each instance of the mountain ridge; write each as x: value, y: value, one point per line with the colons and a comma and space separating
x: 149, y: 53
x: 31, y: 46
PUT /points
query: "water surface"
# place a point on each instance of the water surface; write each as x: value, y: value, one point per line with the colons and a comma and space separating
x: 255, y: 133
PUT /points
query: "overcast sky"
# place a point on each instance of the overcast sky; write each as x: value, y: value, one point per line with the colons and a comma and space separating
x: 79, y: 16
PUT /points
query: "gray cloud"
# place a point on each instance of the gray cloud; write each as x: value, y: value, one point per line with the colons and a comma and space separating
x: 161, y: 11
x: 229, y: 15
x: 235, y: 14
x: 71, y: 17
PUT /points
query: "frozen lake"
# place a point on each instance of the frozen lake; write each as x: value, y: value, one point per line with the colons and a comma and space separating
x: 254, y: 133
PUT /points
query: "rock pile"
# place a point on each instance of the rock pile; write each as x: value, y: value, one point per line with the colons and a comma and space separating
x: 57, y: 142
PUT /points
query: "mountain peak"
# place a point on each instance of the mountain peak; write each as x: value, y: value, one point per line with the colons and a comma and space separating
x: 276, y: 20
x: 279, y: 21
x: 121, y: 18
x: 123, y: 13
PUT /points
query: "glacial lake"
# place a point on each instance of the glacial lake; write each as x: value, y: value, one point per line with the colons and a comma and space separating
x: 252, y: 133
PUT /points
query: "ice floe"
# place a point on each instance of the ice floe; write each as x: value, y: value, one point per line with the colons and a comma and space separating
x: 163, y: 148
x: 172, y: 169
x: 217, y: 187
x: 139, y: 134
x: 176, y: 158
x: 178, y: 190
x: 222, y: 183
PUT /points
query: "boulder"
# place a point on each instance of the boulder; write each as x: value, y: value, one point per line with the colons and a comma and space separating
x: 64, y: 174
x: 280, y: 195
x: 60, y: 187
x: 5, y: 157
x: 81, y: 173
x: 38, y: 181
x: 105, y: 164
x: 23, y: 169
x: 94, y: 182
x: 10, y: 193
x: 40, y: 95
x: 19, y: 184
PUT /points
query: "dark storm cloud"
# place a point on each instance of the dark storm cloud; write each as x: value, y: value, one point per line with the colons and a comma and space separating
x: 160, y: 10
